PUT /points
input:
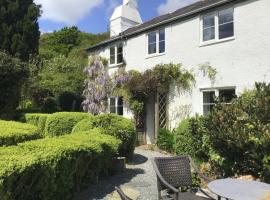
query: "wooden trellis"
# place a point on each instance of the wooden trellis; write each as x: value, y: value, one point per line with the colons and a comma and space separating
x: 162, y: 106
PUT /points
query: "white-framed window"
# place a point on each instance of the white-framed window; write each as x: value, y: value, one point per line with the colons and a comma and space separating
x: 116, y: 54
x: 217, y: 26
x: 226, y: 95
x: 156, y: 42
x: 116, y: 105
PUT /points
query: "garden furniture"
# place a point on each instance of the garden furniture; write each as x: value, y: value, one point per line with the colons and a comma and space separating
x: 174, y: 174
x: 122, y: 194
x: 238, y: 189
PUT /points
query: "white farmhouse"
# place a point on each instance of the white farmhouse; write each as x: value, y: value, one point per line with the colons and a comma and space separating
x: 233, y: 36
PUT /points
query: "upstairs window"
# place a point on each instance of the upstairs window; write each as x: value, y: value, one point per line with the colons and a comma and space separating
x: 156, y: 42
x: 116, y: 55
x: 225, y: 96
x: 218, y: 26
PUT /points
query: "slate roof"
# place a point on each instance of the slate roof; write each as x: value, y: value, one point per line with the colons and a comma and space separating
x: 178, y: 15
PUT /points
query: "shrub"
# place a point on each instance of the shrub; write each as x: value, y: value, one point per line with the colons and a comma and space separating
x: 12, y: 133
x: 239, y: 135
x: 12, y: 74
x: 63, y: 122
x: 36, y: 119
x: 54, y: 168
x: 165, y: 140
x: 115, y: 125
x: 189, y: 138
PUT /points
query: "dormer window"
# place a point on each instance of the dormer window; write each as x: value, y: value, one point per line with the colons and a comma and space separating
x: 218, y: 26
x: 116, y: 54
x: 156, y: 42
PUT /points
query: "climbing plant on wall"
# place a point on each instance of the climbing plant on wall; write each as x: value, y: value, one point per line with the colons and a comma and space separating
x: 97, y: 86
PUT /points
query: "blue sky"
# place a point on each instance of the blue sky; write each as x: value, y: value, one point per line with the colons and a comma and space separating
x: 93, y: 15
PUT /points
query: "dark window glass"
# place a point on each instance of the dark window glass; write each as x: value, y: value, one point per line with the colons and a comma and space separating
x: 226, y: 24
x: 162, y: 41
x: 119, y: 54
x: 112, y: 55
x: 208, y: 101
x: 152, y: 43
x: 112, y: 105
x: 227, y: 95
x: 120, y: 105
x: 208, y: 28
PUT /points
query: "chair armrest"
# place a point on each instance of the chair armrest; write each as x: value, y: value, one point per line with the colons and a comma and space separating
x: 205, y: 178
x: 162, y: 180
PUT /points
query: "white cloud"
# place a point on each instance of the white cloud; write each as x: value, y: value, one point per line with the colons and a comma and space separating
x: 67, y: 11
x: 172, y: 5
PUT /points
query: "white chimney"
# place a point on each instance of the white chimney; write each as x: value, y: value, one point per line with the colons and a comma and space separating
x: 125, y: 17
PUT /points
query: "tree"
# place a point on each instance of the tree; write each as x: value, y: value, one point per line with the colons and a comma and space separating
x: 19, y: 29
x: 12, y: 74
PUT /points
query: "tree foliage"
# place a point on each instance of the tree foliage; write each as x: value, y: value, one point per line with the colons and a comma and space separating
x: 12, y: 75
x: 19, y: 29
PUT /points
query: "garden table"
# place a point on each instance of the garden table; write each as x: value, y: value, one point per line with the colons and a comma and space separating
x: 238, y: 189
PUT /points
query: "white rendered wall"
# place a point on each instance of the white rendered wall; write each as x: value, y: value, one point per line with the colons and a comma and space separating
x: 239, y: 62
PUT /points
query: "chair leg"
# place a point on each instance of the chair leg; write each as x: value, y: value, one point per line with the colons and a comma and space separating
x: 159, y: 195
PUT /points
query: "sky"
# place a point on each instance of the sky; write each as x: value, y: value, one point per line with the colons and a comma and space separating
x: 93, y: 16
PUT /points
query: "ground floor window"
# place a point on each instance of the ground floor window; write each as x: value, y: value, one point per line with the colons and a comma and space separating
x: 209, y: 97
x: 116, y: 105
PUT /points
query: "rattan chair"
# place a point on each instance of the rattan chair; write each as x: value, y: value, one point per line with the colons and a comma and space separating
x: 122, y: 194
x: 173, y: 174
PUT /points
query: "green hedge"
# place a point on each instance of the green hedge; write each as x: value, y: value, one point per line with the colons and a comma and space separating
x: 36, y: 119
x: 165, y: 140
x: 54, y: 168
x: 12, y: 133
x: 63, y: 122
x: 189, y: 138
x: 115, y: 125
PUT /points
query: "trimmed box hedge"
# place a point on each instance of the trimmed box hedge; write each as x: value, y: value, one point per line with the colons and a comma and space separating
x: 36, y: 119
x: 62, y: 123
x: 55, y: 168
x: 12, y: 133
x: 115, y: 125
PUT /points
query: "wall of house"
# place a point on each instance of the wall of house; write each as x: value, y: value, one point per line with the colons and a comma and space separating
x: 240, y: 61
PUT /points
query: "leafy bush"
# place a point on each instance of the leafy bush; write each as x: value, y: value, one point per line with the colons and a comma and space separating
x: 115, y: 125
x: 239, y: 135
x: 12, y: 74
x: 189, y: 138
x: 165, y: 140
x: 54, y: 168
x: 36, y: 119
x: 12, y: 133
x: 63, y: 122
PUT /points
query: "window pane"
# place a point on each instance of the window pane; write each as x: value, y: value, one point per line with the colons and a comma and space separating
x: 112, y: 55
x: 208, y: 21
x: 226, y: 30
x: 209, y: 34
x: 225, y: 16
x: 161, y: 35
x: 152, y: 38
x: 112, y: 105
x: 162, y: 47
x: 207, y: 109
x: 119, y: 54
x: 209, y: 97
x: 120, y: 106
x: 152, y: 48
x: 227, y: 95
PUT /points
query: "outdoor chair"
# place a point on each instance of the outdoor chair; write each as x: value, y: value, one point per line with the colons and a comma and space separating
x: 174, y: 174
x: 122, y: 194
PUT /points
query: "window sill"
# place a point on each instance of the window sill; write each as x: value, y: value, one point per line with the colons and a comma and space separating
x: 154, y: 55
x: 116, y: 65
x: 212, y: 42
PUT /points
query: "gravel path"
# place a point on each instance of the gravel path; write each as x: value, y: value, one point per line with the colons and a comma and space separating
x: 139, y: 176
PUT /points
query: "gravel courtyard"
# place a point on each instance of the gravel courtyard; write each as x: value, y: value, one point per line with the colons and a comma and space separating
x: 138, y: 180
